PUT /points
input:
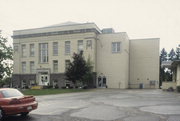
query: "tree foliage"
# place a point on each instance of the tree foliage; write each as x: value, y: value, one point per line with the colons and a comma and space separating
x: 5, y: 57
x: 88, y: 77
x: 163, y: 56
x: 165, y: 73
x: 172, y: 55
x: 77, y: 68
x: 178, y: 53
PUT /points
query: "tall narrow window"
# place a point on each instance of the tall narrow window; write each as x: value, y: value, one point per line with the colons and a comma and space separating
x: 16, y: 48
x: 115, y: 47
x: 55, y: 48
x: 32, y: 67
x: 23, y: 67
x: 43, y: 52
x: 31, y: 50
x: 67, y: 47
x: 67, y: 62
x: 55, y: 66
x: 23, y: 50
x: 80, y: 45
x: 89, y: 44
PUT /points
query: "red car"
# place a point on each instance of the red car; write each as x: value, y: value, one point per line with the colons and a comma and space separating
x: 14, y: 102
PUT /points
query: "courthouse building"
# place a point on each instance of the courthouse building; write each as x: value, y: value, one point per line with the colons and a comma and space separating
x: 41, y: 56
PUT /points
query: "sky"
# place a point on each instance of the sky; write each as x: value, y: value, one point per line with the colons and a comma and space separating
x: 139, y: 18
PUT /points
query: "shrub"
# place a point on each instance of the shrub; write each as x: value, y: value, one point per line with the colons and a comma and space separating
x: 178, y: 88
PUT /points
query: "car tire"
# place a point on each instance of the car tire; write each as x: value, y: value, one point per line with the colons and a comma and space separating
x: 24, y: 114
x: 1, y: 114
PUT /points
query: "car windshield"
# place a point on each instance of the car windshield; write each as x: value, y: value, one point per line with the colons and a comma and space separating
x: 11, y: 93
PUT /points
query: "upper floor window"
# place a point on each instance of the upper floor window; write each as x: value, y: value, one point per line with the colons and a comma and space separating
x: 32, y: 67
x: 23, y: 50
x: 115, y: 47
x: 89, y: 44
x: 31, y: 50
x: 43, y: 52
x: 23, y: 67
x: 67, y: 47
x: 55, y: 66
x: 80, y: 45
x: 55, y: 48
x: 15, y: 48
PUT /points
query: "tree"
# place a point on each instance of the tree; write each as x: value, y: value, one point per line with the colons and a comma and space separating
x: 163, y: 56
x: 88, y: 77
x: 5, y: 57
x: 172, y: 55
x: 178, y: 53
x: 76, y: 69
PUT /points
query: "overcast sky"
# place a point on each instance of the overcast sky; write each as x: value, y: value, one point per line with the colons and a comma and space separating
x: 139, y: 18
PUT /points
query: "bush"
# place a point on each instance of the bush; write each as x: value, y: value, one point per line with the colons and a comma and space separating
x: 178, y: 88
x: 47, y: 87
x: 63, y: 87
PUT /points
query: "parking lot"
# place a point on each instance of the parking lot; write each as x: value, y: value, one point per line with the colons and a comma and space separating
x: 107, y: 105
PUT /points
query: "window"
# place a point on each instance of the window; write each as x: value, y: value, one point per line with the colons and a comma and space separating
x: 55, y: 66
x: 115, y: 47
x: 31, y: 50
x: 15, y: 48
x: 55, y: 48
x: 67, y: 48
x: 43, y: 52
x: 23, y: 67
x: 23, y: 50
x: 11, y: 93
x: 80, y: 45
x: 32, y: 67
x: 89, y: 44
x: 67, y: 62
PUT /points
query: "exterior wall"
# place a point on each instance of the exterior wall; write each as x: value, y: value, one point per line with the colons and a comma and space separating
x: 178, y: 75
x: 137, y: 62
x: 18, y: 59
x: 166, y: 85
x: 73, y: 38
x: 18, y: 78
x: 144, y: 62
x: 114, y: 66
x: 54, y: 28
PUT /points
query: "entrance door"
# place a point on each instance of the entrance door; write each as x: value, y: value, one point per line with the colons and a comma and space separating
x: 44, y: 79
x: 101, y: 81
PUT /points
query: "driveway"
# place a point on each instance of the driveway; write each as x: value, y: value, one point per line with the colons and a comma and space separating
x: 107, y: 105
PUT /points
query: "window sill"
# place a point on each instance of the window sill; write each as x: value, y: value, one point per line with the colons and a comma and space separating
x: 43, y: 62
x: 116, y: 52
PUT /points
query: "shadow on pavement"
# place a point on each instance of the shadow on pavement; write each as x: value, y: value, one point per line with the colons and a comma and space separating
x: 19, y: 118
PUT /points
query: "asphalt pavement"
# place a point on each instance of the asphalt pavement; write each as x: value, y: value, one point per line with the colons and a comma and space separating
x: 107, y: 105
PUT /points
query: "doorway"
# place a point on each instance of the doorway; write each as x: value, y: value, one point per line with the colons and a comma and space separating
x: 102, y: 81
x: 44, y: 79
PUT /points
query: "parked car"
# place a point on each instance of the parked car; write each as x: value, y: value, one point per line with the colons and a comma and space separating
x: 13, y: 102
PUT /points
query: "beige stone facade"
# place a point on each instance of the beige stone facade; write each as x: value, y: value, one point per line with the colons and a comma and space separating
x: 41, y: 56
x: 176, y: 72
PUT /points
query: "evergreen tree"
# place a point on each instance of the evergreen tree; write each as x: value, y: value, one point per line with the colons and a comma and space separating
x: 163, y: 56
x: 88, y: 77
x: 76, y: 69
x: 172, y: 55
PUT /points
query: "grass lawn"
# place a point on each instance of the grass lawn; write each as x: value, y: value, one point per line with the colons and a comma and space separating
x: 50, y: 91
